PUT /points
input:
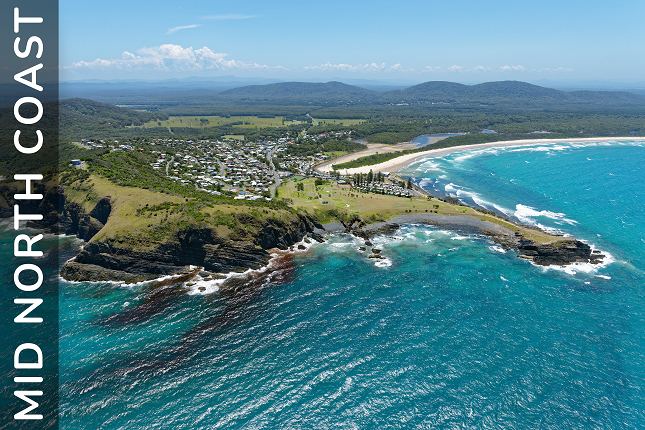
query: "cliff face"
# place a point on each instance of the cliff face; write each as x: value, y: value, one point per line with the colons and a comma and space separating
x: 198, y: 246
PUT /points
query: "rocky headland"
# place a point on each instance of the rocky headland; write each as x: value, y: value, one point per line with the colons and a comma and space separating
x: 111, y: 258
x: 561, y: 251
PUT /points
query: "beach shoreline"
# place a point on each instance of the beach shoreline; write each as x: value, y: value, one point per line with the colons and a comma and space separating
x: 399, y: 163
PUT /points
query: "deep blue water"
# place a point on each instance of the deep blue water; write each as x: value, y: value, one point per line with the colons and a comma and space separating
x: 449, y: 331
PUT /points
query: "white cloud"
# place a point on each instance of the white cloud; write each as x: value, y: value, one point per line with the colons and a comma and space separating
x: 373, y: 67
x: 455, y: 68
x: 512, y: 68
x: 230, y: 16
x: 182, y: 27
x: 559, y: 69
x: 368, y: 67
x: 431, y: 69
x: 172, y: 58
x: 481, y: 69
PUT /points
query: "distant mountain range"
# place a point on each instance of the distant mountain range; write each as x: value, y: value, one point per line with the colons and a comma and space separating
x: 503, y: 94
x: 434, y: 92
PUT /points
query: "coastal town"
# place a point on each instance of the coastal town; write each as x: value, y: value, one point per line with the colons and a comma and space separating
x: 248, y: 170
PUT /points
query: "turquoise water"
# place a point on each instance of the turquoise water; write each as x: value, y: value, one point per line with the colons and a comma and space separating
x: 449, y: 331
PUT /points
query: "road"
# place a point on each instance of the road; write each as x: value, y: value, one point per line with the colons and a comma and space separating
x: 169, y: 163
x: 312, y: 118
x: 276, y: 175
x: 222, y: 167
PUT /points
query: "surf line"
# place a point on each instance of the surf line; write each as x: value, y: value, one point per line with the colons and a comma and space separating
x: 27, y: 356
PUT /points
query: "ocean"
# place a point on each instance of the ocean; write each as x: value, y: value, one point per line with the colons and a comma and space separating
x: 448, y: 331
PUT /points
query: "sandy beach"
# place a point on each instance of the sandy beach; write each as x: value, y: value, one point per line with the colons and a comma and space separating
x: 374, y: 148
x: 400, y: 163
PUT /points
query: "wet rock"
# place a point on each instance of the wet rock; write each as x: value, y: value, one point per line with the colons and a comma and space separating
x: 317, y: 237
x: 560, y: 253
x: 301, y: 246
x: 376, y: 251
x: 202, y: 288
x: 368, y: 243
x: 362, y: 248
x: 74, y: 271
x: 376, y: 256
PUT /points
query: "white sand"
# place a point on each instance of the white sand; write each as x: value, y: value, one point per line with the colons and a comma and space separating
x: 400, y: 163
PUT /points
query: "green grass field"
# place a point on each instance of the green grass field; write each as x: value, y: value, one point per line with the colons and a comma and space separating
x: 342, y: 121
x: 213, y: 121
x: 372, y: 207
x: 247, y: 121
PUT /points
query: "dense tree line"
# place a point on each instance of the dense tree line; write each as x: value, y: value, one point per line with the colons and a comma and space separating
x: 312, y: 147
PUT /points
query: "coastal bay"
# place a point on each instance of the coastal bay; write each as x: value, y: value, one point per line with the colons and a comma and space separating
x: 400, y: 163
x: 448, y: 329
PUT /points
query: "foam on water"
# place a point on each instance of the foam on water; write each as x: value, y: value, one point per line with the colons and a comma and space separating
x: 527, y: 213
x: 441, y: 333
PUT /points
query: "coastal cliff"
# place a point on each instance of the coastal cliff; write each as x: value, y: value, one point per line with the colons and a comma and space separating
x: 132, y: 239
x: 109, y: 260
x: 122, y: 257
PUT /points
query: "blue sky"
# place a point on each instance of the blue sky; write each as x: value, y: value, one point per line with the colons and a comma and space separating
x: 454, y: 40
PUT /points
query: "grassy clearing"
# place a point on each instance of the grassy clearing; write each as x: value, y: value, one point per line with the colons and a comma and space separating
x: 145, y: 218
x: 334, y: 154
x: 375, y: 207
x: 246, y: 121
x: 342, y: 121
x: 214, y: 121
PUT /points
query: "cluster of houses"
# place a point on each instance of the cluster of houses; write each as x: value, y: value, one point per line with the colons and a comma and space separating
x: 91, y: 144
x: 384, y: 188
x: 216, y: 166
x: 248, y: 169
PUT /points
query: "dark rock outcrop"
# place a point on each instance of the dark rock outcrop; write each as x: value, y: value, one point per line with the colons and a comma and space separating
x: 560, y: 253
x: 62, y: 216
x: 109, y: 259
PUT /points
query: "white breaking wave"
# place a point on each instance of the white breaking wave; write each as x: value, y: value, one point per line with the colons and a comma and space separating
x: 527, y: 213
x: 384, y: 262
x: 451, y: 187
x: 426, y: 182
x: 542, y: 148
x: 504, y: 210
x: 476, y: 198
x: 584, y: 268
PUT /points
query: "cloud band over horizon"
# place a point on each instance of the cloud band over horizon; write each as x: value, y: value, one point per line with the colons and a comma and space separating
x: 171, y: 57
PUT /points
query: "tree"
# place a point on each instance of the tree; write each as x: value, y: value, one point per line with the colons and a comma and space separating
x: 409, y: 183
